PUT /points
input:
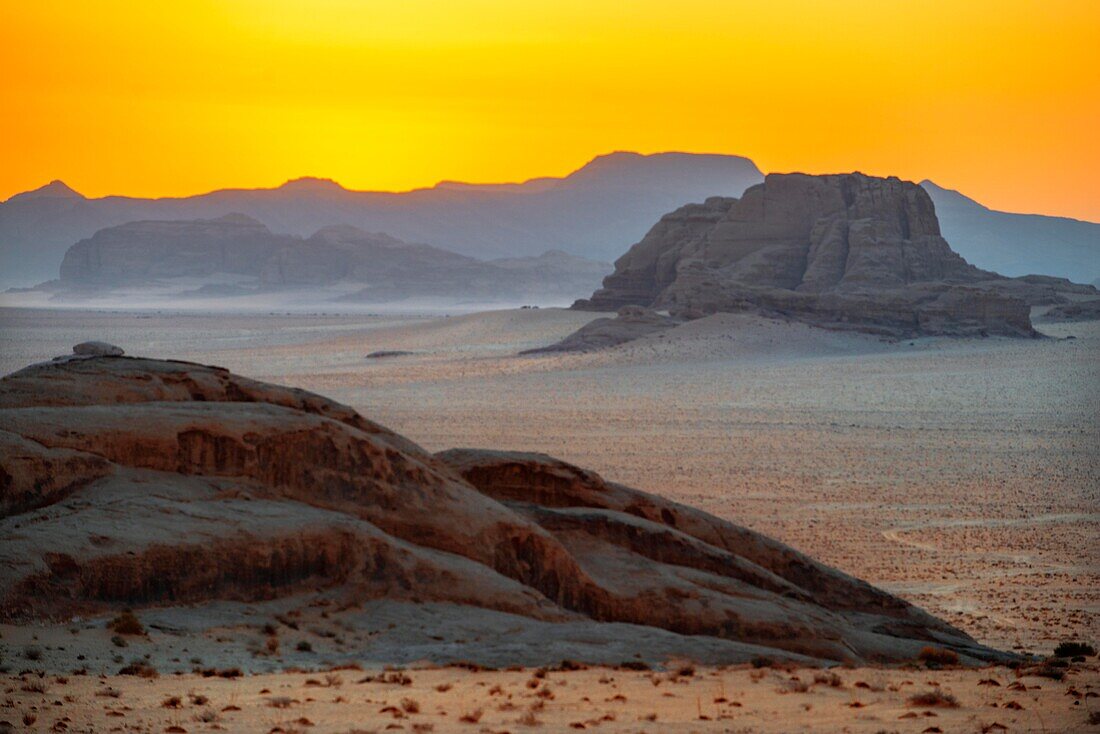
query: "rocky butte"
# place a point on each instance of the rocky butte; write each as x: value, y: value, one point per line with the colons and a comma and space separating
x: 152, y: 484
x: 845, y: 251
x: 237, y: 255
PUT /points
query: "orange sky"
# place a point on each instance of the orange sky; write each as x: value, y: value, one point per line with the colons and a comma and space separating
x: 998, y: 98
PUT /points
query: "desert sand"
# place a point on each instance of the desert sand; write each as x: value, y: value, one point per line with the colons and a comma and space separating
x: 962, y: 475
x: 682, y: 699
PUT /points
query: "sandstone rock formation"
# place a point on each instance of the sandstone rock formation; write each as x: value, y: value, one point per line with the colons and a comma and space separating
x: 138, y: 482
x: 843, y: 251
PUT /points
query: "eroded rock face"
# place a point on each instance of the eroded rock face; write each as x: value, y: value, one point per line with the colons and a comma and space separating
x: 136, y: 482
x: 843, y: 251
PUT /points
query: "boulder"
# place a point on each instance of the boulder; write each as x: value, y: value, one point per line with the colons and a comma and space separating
x: 97, y: 349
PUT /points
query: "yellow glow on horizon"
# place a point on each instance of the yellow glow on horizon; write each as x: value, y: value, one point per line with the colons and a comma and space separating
x: 998, y: 98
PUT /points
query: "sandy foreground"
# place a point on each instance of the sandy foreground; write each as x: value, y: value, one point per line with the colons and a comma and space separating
x: 961, y: 475
x: 684, y: 699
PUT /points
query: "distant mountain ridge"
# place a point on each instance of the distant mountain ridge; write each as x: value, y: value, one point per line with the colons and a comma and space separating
x: 595, y: 212
x: 236, y: 255
x: 1017, y: 244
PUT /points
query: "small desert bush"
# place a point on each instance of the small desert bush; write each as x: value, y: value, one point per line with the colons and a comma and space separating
x: 528, y: 719
x: 633, y: 665
x: 937, y: 656
x: 139, y: 668
x: 36, y: 686
x: 794, y: 686
x: 829, y: 679
x: 280, y: 702
x: 126, y: 624
x: 207, y: 716
x: 933, y: 698
x: 32, y: 653
x: 1072, y: 649
x: 410, y: 706
x: 303, y: 646
x: 472, y: 717
x: 1046, y: 670
x: 684, y: 671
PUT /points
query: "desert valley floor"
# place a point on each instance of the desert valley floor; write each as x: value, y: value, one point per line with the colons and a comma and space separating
x: 963, y: 475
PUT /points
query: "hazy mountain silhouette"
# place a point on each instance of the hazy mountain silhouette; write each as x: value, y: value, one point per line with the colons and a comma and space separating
x: 595, y: 212
x: 1017, y: 244
x: 237, y: 255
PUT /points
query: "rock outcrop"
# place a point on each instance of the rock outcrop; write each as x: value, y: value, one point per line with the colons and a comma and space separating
x: 137, y: 482
x: 841, y: 251
x: 97, y: 349
x: 1077, y: 311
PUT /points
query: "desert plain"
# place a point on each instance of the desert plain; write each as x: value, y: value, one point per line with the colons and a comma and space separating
x: 961, y: 475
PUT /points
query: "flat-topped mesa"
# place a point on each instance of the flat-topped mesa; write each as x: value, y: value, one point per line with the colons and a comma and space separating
x: 842, y: 250
x: 138, y: 252
x: 264, y: 492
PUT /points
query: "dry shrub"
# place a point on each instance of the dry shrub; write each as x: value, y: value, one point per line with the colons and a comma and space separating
x: 207, y: 716
x: 139, y: 668
x: 126, y: 624
x: 934, y: 698
x: 172, y: 702
x: 794, y: 686
x: 35, y: 686
x: 830, y: 679
x: 937, y: 656
x: 633, y: 665
x: 528, y: 718
x: 1071, y: 649
x: 410, y: 705
x: 472, y: 717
